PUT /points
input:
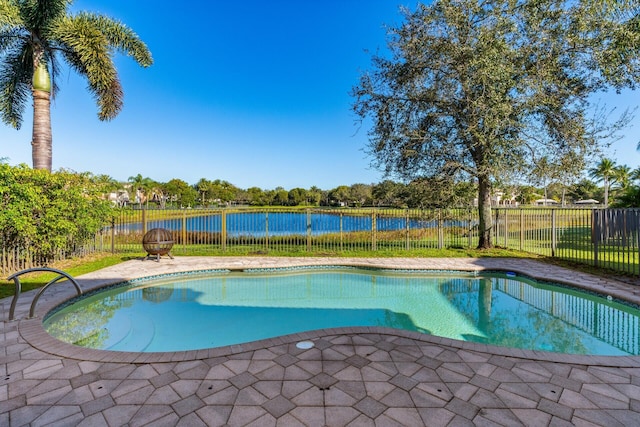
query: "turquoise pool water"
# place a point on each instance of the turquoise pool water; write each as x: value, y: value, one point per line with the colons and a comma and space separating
x: 195, y: 311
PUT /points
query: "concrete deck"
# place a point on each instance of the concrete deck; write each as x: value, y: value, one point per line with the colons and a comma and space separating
x: 352, y: 376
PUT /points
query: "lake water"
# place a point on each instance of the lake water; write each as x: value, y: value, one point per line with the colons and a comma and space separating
x: 257, y: 224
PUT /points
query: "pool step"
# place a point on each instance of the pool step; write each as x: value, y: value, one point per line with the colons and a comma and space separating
x: 136, y: 337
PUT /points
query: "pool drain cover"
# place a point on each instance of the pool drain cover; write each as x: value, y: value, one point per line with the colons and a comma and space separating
x: 305, y: 345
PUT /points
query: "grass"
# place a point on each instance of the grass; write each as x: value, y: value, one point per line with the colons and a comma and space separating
x: 75, y: 267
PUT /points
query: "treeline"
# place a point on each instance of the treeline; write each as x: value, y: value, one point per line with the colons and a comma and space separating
x: 206, y: 193
x: 420, y: 194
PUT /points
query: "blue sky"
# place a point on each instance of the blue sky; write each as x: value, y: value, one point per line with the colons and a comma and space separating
x: 254, y: 92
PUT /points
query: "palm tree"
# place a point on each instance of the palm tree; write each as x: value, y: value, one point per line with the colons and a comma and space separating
x: 141, y: 185
x: 603, y: 172
x: 622, y: 177
x: 203, y: 186
x: 34, y: 35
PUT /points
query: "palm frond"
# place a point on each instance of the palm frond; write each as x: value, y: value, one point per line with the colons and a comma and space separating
x: 15, y: 84
x: 41, y: 13
x: 87, y: 50
x: 9, y: 15
x: 120, y: 37
x: 10, y: 38
x: 54, y: 66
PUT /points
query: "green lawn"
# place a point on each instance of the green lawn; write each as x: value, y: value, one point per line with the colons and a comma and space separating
x: 75, y: 267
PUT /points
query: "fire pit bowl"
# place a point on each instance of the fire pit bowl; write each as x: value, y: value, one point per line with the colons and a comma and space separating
x: 158, y: 242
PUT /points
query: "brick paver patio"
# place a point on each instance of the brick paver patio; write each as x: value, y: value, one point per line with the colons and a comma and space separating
x: 351, y: 376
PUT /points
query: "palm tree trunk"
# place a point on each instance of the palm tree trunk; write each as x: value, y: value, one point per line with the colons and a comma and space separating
x: 42, y: 138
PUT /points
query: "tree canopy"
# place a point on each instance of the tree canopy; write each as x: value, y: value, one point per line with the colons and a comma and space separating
x: 474, y: 89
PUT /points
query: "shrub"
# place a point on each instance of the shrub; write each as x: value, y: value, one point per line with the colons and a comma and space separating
x: 49, y: 213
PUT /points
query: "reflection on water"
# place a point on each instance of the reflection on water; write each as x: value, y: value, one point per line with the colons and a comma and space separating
x: 484, y: 304
x: 87, y: 327
x: 157, y: 293
x: 513, y: 313
x: 200, y: 312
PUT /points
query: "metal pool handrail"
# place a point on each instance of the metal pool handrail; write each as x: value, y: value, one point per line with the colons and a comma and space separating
x: 18, y: 287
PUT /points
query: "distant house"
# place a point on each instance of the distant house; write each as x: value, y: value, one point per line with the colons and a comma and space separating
x: 545, y: 202
x: 119, y: 198
x: 587, y: 202
x: 500, y: 198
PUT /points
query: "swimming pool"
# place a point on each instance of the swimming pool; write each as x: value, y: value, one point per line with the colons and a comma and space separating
x: 213, y: 309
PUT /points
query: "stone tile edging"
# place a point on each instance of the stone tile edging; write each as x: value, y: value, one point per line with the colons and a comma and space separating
x: 32, y: 331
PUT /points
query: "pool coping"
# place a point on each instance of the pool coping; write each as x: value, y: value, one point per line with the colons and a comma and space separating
x: 32, y: 332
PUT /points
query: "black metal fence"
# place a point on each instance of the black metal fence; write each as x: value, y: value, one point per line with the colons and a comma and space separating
x: 603, y: 238
x: 279, y: 230
x: 606, y: 238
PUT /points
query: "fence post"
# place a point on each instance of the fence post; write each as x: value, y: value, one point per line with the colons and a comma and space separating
x: 113, y: 235
x: 440, y: 231
x: 496, y: 226
x: 506, y: 228
x: 408, y: 230
x: 374, y: 226
x: 553, y: 233
x: 521, y: 229
x: 144, y: 221
x: 636, y: 241
x: 595, y: 236
x: 341, y: 235
x: 184, y: 228
x: 470, y: 234
x: 223, y: 229
x: 266, y: 230
x: 309, y: 230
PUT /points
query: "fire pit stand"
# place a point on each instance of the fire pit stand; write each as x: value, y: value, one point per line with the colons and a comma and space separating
x: 158, y: 242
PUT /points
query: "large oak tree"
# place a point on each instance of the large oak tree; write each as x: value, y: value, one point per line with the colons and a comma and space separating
x: 476, y: 89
